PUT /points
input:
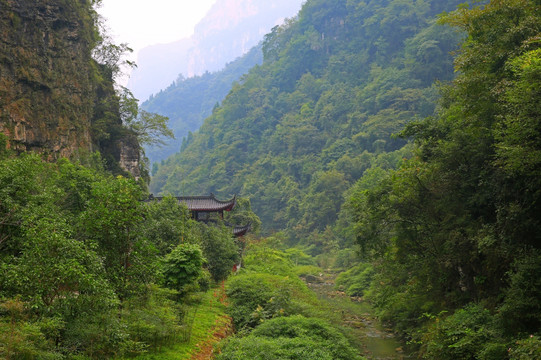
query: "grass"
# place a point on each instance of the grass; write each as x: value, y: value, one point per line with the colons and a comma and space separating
x: 210, y: 324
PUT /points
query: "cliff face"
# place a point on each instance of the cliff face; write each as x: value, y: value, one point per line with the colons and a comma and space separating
x: 54, y: 98
x: 46, y: 94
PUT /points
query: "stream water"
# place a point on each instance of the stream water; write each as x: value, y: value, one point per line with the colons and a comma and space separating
x: 361, y: 326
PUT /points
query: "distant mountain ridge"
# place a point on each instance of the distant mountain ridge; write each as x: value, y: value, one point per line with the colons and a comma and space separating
x: 187, y: 102
x: 229, y: 30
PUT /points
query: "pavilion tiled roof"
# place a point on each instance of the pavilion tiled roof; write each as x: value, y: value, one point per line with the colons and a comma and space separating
x: 204, y: 203
x: 241, y: 230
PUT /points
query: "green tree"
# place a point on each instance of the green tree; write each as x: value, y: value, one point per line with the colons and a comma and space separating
x: 220, y: 249
x: 110, y: 221
x: 183, y: 266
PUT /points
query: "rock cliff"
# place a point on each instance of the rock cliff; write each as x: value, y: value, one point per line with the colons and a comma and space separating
x: 54, y: 98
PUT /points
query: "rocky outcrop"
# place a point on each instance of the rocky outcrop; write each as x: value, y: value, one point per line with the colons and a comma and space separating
x: 46, y: 90
x: 54, y: 98
x: 130, y: 160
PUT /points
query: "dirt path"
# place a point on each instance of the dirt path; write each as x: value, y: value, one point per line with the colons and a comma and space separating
x: 223, y: 328
x: 359, y: 322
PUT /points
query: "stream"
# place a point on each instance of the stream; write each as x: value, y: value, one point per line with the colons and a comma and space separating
x: 362, y: 327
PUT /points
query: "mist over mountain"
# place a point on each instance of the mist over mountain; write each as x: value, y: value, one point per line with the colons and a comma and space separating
x: 229, y: 30
x: 188, y: 101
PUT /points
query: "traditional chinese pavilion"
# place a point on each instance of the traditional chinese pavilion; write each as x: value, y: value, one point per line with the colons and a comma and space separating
x: 202, y: 209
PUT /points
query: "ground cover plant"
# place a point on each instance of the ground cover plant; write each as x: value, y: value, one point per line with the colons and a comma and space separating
x: 88, y: 269
x: 275, y: 315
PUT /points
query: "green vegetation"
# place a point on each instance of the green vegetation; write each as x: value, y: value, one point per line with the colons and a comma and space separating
x: 275, y: 315
x: 455, y: 230
x: 447, y: 225
x: 293, y: 337
x: 187, y: 102
x: 207, y: 323
x: 85, y: 264
x: 440, y: 234
x: 303, y: 127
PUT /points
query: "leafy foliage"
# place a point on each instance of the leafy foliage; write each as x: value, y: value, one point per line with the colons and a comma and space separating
x: 356, y: 280
x: 183, y: 266
x: 470, y: 333
x: 300, y: 129
x: 81, y: 258
x: 459, y: 222
x: 293, y: 337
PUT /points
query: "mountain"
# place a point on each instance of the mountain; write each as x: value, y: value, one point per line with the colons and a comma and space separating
x: 335, y: 85
x: 230, y: 29
x: 187, y: 102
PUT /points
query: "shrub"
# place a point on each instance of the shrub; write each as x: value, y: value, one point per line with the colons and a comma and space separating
x: 255, y: 297
x: 293, y: 337
x: 266, y: 260
x: 346, y: 258
x: 470, y: 333
x: 255, y: 348
x: 183, y: 266
x: 308, y: 270
x: 221, y: 251
x: 521, y: 310
x: 298, y: 257
x: 356, y: 280
x: 152, y: 319
x: 526, y: 349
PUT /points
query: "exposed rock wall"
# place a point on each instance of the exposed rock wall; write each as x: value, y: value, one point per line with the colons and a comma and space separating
x: 54, y: 98
x: 46, y: 90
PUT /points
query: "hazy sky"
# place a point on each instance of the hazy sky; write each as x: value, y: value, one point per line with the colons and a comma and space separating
x: 146, y: 22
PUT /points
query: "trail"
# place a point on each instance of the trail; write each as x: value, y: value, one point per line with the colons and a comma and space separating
x: 362, y: 327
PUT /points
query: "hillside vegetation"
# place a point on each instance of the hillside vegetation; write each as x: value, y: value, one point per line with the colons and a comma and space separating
x: 300, y: 129
x: 187, y: 102
x: 421, y: 198
x: 447, y: 225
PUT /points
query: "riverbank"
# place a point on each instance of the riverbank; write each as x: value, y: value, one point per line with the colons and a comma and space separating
x: 358, y: 320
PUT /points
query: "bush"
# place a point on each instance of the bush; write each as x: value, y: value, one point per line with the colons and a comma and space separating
x: 346, y: 258
x: 256, y: 297
x: 356, y: 280
x: 269, y: 261
x: 308, y: 270
x: 221, y: 251
x: 470, y: 333
x: 526, y: 349
x: 254, y: 348
x: 298, y: 257
x: 293, y: 337
x: 521, y: 310
x: 302, y: 327
x: 183, y: 266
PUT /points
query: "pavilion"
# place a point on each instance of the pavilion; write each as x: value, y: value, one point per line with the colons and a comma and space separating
x: 205, y: 209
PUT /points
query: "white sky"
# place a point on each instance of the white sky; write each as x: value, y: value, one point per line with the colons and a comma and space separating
x: 146, y: 22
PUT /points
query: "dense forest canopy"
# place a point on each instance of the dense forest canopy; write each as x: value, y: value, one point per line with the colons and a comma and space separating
x: 457, y: 226
x: 317, y: 137
x: 361, y: 140
x: 296, y: 132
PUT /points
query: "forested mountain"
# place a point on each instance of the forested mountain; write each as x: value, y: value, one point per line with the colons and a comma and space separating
x: 336, y: 83
x: 188, y: 101
x: 455, y: 232
x: 229, y: 30
x: 413, y: 175
x: 87, y: 268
